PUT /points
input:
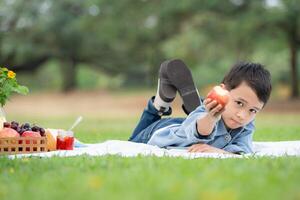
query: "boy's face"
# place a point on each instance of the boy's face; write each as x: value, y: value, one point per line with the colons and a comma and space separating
x: 242, y: 107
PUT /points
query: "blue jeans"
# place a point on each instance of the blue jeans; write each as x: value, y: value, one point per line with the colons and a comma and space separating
x: 150, y: 122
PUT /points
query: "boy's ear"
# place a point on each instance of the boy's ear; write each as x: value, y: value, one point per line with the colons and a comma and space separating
x: 223, y: 85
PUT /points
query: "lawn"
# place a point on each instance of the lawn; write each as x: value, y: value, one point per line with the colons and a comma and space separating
x: 113, y: 177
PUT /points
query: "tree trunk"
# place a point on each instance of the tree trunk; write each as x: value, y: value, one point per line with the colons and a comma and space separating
x: 294, y: 71
x: 28, y: 65
x: 155, y: 61
x: 69, y: 75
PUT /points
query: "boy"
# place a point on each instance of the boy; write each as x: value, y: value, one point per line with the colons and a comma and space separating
x: 209, y: 127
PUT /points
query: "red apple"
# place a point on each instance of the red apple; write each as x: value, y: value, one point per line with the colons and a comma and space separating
x: 219, y: 94
x: 8, y: 132
x: 30, y: 134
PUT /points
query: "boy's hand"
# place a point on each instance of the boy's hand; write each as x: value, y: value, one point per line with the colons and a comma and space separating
x: 213, y: 109
x: 205, y: 148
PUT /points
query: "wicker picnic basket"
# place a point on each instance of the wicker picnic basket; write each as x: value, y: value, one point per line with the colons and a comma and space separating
x: 21, y: 145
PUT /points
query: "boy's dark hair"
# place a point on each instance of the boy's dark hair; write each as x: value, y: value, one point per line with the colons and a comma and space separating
x: 254, y: 74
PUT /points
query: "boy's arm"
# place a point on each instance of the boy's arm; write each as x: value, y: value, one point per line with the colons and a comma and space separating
x: 206, y: 124
x: 205, y: 148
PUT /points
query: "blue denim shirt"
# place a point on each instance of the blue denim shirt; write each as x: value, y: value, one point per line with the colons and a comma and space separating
x: 185, y: 134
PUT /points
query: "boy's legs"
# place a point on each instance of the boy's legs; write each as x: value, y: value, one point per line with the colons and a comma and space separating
x: 173, y: 76
x: 149, y: 116
x: 157, y: 106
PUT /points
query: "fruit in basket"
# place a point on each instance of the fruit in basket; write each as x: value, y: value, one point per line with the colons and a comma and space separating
x: 6, y: 124
x: 31, y: 134
x: 21, y: 128
x: 23, y: 137
x: 8, y: 132
x: 51, y: 135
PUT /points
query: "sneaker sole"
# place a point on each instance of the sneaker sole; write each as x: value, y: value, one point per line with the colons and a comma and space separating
x: 181, y: 77
x: 167, y: 90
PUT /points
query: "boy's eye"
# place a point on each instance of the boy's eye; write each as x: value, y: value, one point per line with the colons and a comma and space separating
x: 239, y: 103
x: 253, y: 111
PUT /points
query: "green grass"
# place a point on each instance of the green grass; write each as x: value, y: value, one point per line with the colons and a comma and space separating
x: 113, y: 177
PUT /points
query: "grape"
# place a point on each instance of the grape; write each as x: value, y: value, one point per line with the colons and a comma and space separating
x: 6, y: 124
x: 35, y: 128
x: 14, y: 122
x: 42, y: 131
x: 26, y: 125
x: 14, y: 126
x: 19, y: 130
x: 22, y: 130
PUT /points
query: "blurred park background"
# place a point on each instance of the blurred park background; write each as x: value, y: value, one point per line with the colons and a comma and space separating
x: 79, y: 51
x: 100, y: 59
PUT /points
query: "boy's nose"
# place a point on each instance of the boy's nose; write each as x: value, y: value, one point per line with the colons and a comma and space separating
x: 241, y: 114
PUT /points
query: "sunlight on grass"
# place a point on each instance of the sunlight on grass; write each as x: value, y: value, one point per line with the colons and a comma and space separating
x: 113, y: 177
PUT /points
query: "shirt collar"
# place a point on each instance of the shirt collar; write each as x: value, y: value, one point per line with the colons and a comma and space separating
x: 222, y: 130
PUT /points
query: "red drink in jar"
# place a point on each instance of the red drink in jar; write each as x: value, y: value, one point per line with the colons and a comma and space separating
x: 65, y: 140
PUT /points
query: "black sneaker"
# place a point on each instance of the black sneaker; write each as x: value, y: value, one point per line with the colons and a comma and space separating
x: 166, y: 90
x: 179, y: 76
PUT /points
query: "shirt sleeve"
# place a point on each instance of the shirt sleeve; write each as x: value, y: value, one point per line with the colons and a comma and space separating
x: 189, y: 127
x: 242, y: 144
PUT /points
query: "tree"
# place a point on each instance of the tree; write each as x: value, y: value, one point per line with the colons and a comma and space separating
x: 133, y: 37
x: 287, y: 20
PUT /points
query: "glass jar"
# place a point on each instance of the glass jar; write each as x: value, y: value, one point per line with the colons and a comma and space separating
x: 65, y: 140
x: 2, y: 117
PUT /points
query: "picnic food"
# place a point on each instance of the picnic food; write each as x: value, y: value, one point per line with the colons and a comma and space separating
x: 31, y: 134
x: 24, y: 127
x: 34, y: 133
x: 8, y: 133
x: 51, y: 135
x: 65, y: 140
x: 219, y: 94
x: 32, y: 138
x: 12, y: 142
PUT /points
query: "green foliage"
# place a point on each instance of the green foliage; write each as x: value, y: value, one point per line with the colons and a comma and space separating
x: 129, y: 39
x: 49, y: 78
x: 90, y: 78
x: 8, y: 85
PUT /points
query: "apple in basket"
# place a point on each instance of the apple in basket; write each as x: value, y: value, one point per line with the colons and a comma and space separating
x: 219, y: 94
x: 8, y: 132
x: 31, y: 134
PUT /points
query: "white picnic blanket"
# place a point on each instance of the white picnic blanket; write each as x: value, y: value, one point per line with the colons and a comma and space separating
x: 131, y: 149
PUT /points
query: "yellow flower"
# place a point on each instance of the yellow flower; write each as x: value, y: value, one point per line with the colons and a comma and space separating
x: 11, y: 74
x: 94, y: 182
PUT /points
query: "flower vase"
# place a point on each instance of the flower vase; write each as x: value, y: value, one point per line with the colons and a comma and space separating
x: 2, y: 117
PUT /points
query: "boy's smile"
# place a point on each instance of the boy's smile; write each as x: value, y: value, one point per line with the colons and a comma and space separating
x: 242, y: 107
